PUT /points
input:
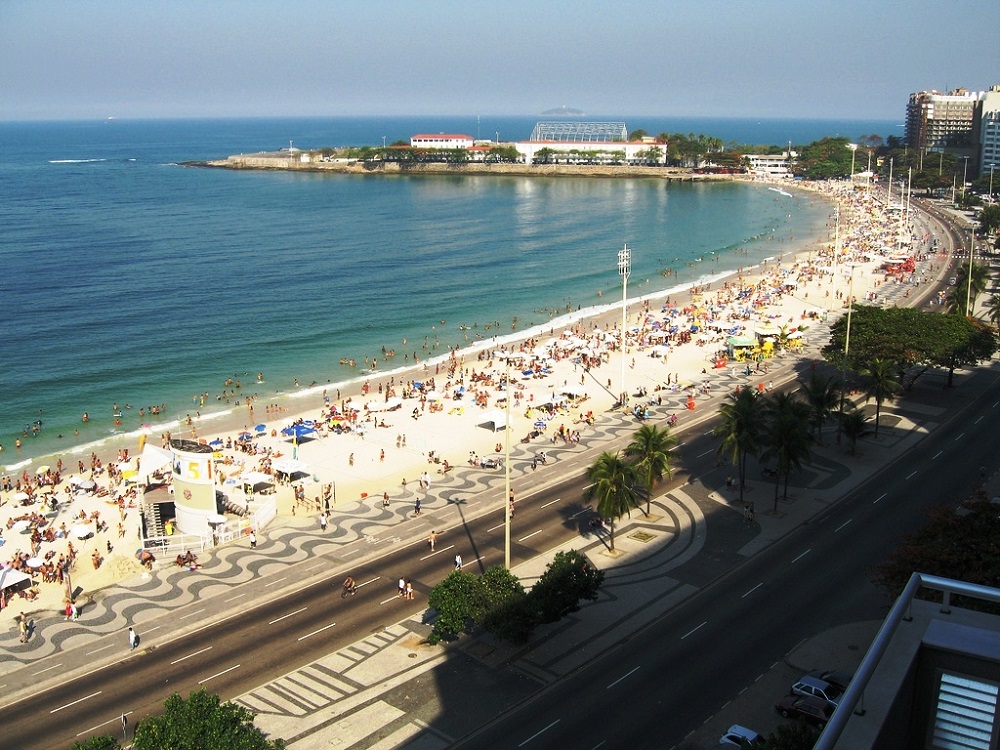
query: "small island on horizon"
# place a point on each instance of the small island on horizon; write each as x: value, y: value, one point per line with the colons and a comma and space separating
x: 563, y: 111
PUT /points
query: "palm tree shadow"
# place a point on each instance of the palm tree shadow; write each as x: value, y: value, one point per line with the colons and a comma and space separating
x: 580, y: 517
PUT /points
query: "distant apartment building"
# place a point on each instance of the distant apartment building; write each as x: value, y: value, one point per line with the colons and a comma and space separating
x: 941, y: 122
x: 986, y: 131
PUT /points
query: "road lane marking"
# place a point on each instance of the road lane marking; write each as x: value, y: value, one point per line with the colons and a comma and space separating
x: 81, y: 700
x: 752, y: 590
x: 802, y: 555
x: 911, y: 474
x: 494, y: 528
x: 880, y: 497
x: 284, y: 617
x: 627, y: 674
x: 189, y: 614
x: 580, y: 513
x: 234, y: 598
x: 695, y: 630
x: 437, y: 552
x: 178, y: 661
x: 533, y: 533
x: 845, y: 523
x: 54, y: 666
x: 978, y: 420
x: 218, y: 674
x: 557, y: 500
x: 960, y: 436
x: 536, y: 734
x: 706, y: 452
x: 326, y: 627
x: 370, y: 580
x: 94, y: 729
x: 936, y: 455
x: 272, y: 583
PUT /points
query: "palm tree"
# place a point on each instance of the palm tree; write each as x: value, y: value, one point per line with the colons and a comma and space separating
x: 823, y: 395
x: 962, y: 290
x: 786, y: 436
x: 854, y: 424
x: 651, y: 446
x: 613, y: 484
x: 883, y: 383
x: 993, y: 310
x: 740, y: 430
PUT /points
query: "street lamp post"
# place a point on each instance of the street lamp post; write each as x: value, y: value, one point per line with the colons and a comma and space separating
x: 506, y: 470
x: 854, y: 151
x: 624, y: 269
x: 968, y: 292
x: 847, y: 343
x: 965, y: 176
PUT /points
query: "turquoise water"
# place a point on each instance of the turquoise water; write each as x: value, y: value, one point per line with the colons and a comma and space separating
x: 130, y: 280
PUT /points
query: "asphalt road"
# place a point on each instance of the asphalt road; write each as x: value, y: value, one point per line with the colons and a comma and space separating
x: 656, y: 688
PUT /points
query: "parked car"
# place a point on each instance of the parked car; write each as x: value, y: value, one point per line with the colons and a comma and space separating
x: 739, y: 736
x: 835, y: 677
x: 816, y: 688
x: 814, y: 710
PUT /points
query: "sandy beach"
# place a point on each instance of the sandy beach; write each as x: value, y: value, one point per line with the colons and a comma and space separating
x: 411, y: 431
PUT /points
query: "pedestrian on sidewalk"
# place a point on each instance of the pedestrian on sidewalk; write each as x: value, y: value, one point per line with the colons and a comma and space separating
x: 133, y: 639
x: 458, y: 562
x: 322, y: 521
x: 385, y: 499
x: 253, y: 539
x: 416, y: 507
x: 22, y: 626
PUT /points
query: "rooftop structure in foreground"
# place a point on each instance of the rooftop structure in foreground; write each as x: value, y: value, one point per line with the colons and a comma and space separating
x: 930, y: 680
x: 580, y: 132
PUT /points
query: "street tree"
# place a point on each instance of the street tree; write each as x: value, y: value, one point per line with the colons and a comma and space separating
x: 822, y: 394
x: 966, y: 294
x: 785, y: 436
x: 98, y: 742
x: 201, y: 721
x: 989, y: 219
x: 613, y: 483
x: 882, y: 383
x: 796, y: 735
x: 650, y: 447
x: 854, y: 426
x: 459, y: 601
x: 740, y: 430
x: 993, y: 310
x: 567, y: 580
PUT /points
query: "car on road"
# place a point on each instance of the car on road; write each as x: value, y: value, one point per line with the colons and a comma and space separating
x: 813, y: 710
x: 816, y: 688
x: 740, y: 736
x: 835, y: 677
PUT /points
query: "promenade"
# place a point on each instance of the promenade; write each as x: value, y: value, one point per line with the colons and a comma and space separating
x: 343, y: 695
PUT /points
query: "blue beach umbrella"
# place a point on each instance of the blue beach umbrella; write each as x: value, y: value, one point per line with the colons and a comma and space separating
x: 261, y: 428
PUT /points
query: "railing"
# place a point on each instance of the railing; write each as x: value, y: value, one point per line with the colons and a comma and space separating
x: 900, y: 611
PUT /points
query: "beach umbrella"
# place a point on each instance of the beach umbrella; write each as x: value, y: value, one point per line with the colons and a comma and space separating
x: 75, y: 480
x: 215, y: 519
x: 217, y: 443
x: 540, y: 424
x: 42, y: 469
x: 261, y: 428
x: 19, y: 497
x: 298, y: 431
x: 87, y: 484
x: 433, y: 396
x: 22, y: 525
x: 35, y: 562
x: 81, y: 531
x: 245, y: 435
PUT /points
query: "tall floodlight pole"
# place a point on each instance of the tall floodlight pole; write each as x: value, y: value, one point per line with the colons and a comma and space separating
x: 965, y: 176
x: 991, y: 182
x: 836, y: 252
x: 624, y: 268
x: 847, y: 343
x: 854, y: 151
x: 506, y: 471
x: 888, y: 195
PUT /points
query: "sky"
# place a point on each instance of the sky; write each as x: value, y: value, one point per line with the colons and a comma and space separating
x: 855, y: 59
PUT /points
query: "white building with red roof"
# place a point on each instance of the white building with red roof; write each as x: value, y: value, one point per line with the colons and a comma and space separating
x: 441, y: 140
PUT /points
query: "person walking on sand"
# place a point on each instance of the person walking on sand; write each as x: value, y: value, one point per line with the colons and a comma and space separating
x: 133, y: 639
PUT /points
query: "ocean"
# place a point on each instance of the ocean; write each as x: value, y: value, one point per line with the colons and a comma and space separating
x: 129, y: 280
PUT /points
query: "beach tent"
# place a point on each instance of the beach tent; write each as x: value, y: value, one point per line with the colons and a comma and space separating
x: 151, y: 460
x: 10, y: 578
x: 494, y: 420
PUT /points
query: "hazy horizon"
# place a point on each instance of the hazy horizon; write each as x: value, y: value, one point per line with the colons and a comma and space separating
x: 776, y: 59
